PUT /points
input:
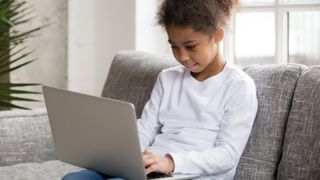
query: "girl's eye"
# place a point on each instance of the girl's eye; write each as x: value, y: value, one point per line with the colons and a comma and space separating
x: 191, y: 47
x: 174, y: 47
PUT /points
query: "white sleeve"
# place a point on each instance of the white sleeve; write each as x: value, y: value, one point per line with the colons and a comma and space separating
x: 148, y: 124
x: 236, y: 126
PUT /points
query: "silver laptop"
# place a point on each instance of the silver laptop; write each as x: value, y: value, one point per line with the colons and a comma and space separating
x: 97, y: 133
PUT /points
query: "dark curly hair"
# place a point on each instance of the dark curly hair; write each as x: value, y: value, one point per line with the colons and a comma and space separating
x: 202, y: 15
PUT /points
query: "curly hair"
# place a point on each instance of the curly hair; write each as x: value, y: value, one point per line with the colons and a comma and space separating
x: 202, y: 15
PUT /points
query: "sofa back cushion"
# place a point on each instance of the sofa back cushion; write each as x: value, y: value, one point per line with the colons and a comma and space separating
x: 301, y: 149
x: 275, y: 87
x: 132, y: 76
x: 25, y: 137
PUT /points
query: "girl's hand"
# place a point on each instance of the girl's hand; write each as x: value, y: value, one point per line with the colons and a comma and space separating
x: 156, y: 163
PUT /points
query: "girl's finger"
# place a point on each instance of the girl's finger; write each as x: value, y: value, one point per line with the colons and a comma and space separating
x: 145, y: 157
x: 151, y: 168
x: 149, y: 161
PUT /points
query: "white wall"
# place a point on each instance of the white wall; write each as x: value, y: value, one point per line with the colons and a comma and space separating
x: 114, y: 31
x: 98, y: 29
x: 81, y: 46
x: 49, y: 46
x: 150, y: 37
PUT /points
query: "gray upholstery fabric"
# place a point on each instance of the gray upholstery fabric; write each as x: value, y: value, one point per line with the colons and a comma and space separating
x: 25, y: 136
x: 49, y: 170
x: 301, y: 151
x: 275, y: 86
x: 132, y: 76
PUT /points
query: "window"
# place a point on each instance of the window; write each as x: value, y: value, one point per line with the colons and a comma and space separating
x: 275, y: 31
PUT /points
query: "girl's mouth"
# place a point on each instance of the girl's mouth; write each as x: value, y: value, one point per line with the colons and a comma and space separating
x: 191, y: 66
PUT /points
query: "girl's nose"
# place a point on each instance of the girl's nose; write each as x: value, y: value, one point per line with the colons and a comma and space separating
x: 184, y: 56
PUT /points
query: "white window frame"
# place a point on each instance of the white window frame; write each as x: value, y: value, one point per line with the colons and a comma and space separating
x: 281, y: 8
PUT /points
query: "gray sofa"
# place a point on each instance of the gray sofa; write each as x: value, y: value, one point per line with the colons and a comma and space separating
x: 284, y: 143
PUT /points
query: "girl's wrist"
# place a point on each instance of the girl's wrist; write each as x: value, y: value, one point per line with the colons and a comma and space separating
x: 170, y: 162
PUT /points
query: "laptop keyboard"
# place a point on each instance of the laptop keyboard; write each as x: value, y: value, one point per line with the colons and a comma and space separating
x: 157, y: 175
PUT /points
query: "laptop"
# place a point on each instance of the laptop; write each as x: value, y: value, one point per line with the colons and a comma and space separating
x: 97, y: 133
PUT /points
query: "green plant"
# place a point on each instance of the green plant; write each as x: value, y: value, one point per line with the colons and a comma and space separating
x: 13, y: 55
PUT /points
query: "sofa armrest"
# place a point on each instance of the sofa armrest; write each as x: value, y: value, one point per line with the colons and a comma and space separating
x: 25, y: 136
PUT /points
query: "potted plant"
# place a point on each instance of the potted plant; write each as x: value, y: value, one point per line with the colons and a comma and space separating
x: 13, y: 54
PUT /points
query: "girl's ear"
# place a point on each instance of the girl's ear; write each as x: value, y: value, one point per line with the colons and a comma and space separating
x: 218, y: 35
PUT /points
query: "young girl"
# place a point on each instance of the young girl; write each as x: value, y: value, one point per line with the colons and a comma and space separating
x: 200, y: 114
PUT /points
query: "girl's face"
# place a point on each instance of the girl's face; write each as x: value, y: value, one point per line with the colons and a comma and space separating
x: 195, y: 50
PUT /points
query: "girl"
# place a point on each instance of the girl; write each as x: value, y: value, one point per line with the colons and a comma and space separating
x: 200, y: 114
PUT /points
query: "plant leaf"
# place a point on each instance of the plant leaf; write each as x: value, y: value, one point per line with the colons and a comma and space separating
x: 8, y: 85
x: 14, y: 91
x: 22, y: 21
x: 15, y: 7
x: 5, y: 71
x: 6, y: 54
x: 23, y: 13
x: 13, y: 13
x: 24, y: 35
x: 10, y: 98
x: 5, y: 65
x: 10, y: 105
x: 6, y: 51
x: 7, y: 21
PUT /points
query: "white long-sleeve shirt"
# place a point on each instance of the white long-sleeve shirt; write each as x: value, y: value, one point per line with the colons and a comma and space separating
x: 203, y: 125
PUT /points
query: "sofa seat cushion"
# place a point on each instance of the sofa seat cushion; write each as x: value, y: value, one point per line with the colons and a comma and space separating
x: 53, y: 170
x: 275, y: 88
x: 301, y: 149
